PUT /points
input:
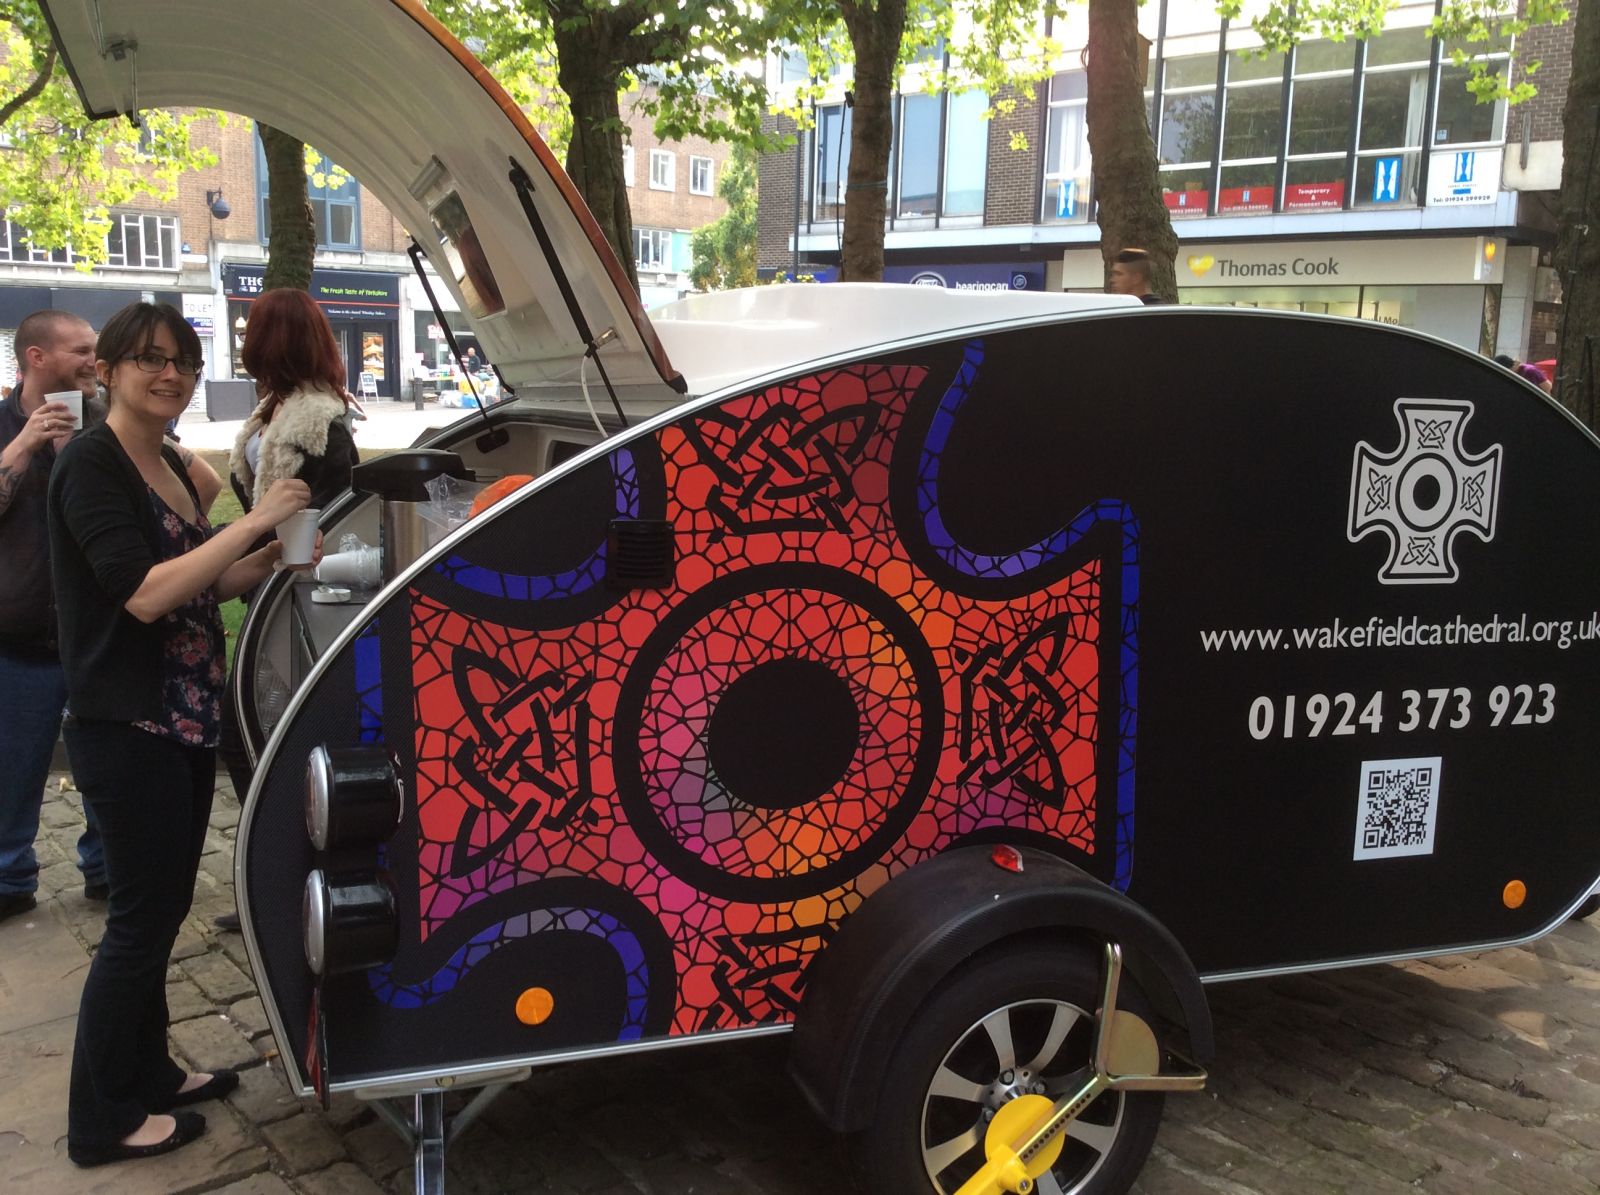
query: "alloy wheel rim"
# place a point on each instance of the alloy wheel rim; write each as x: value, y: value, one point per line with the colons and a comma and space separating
x: 1039, y: 1047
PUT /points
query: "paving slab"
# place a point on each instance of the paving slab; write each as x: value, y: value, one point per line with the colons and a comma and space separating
x: 42, y: 967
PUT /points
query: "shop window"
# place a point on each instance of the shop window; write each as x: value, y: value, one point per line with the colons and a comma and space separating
x: 1248, y: 190
x: 1319, y: 116
x: 1398, y: 47
x: 1315, y: 184
x: 1067, y: 176
x: 1392, y: 108
x: 663, y: 170
x: 1186, y: 190
x: 1462, y: 120
x: 652, y: 249
x: 832, y: 162
x: 1388, y: 179
x: 1187, y: 139
x: 1252, y: 117
x: 700, y: 176
x: 966, y: 154
x: 919, y: 156
x: 142, y: 242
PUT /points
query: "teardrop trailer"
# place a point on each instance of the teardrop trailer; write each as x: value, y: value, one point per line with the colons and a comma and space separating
x: 958, y: 682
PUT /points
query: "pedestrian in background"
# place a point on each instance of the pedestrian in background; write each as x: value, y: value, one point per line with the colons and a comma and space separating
x: 299, y: 427
x: 138, y: 575
x: 1130, y: 275
x: 55, y: 353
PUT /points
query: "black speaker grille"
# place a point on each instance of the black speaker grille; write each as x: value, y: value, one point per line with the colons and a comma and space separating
x: 640, y: 554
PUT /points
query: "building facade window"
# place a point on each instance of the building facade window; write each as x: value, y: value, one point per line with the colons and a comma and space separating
x: 627, y: 165
x: 142, y: 242
x: 1187, y: 138
x: 1322, y: 92
x: 335, y: 203
x: 663, y: 170
x: 966, y: 153
x: 700, y: 182
x: 14, y: 247
x: 1461, y: 120
x: 918, y: 157
x: 1067, y: 177
x: 652, y: 249
x: 1394, y: 105
x: 832, y: 162
x: 1252, y: 129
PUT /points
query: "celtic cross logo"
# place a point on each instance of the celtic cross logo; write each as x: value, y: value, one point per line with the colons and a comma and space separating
x: 1425, y: 492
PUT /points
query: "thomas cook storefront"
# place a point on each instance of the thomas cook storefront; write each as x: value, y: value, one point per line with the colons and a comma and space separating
x: 364, y: 309
x: 1448, y: 286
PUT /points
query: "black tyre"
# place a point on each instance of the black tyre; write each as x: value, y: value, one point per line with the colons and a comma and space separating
x: 1587, y: 909
x: 1015, y: 1021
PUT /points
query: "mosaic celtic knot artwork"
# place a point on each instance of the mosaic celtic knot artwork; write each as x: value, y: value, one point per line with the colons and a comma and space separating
x: 828, y: 695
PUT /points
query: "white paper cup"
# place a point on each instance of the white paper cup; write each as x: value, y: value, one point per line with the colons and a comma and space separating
x: 73, y: 400
x: 299, y: 536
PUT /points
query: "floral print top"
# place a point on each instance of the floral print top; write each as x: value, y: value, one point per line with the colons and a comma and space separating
x: 193, y: 656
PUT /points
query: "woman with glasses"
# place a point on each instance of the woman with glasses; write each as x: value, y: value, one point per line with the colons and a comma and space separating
x: 138, y: 574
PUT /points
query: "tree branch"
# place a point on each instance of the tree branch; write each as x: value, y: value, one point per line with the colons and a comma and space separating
x: 11, y: 107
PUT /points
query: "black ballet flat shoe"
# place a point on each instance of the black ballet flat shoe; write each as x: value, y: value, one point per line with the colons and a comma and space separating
x: 190, y: 1125
x: 221, y: 1082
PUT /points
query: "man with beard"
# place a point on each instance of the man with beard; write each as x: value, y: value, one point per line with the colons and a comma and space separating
x: 55, y: 352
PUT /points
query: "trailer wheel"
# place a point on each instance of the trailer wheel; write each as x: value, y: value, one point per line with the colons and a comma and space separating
x: 1014, y: 1022
x: 1587, y: 909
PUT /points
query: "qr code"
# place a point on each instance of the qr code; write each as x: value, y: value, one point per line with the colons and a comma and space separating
x: 1396, y: 808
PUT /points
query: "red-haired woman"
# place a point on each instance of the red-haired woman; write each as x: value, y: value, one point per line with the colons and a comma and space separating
x: 298, y: 428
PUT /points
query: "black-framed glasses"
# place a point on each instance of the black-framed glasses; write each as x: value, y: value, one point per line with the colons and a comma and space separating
x: 156, y: 362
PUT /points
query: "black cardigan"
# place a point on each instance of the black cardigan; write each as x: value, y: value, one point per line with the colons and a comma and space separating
x: 104, y: 539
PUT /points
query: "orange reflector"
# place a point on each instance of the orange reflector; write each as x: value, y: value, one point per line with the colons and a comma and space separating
x: 1006, y: 858
x: 1515, y: 893
x: 534, y: 1006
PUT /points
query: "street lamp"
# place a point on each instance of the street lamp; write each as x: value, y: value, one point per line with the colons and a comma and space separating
x: 220, y: 208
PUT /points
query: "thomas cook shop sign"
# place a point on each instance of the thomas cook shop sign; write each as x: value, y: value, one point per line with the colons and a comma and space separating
x: 1434, y: 260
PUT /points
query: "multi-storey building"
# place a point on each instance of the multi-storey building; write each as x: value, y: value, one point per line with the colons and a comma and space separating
x: 208, y: 257
x: 1354, y: 178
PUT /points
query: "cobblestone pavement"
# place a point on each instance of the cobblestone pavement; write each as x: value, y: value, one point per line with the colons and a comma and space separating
x: 1469, y: 1074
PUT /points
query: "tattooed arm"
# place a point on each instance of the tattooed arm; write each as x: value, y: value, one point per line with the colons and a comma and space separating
x: 207, y: 484
x: 47, y: 421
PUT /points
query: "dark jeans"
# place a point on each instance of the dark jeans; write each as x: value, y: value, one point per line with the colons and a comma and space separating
x: 34, y: 691
x: 152, y: 798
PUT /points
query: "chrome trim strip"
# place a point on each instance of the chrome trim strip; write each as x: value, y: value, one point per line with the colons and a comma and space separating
x: 427, y: 1080
x: 1406, y: 956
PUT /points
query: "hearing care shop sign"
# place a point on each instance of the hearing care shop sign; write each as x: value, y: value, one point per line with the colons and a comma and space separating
x: 1390, y: 262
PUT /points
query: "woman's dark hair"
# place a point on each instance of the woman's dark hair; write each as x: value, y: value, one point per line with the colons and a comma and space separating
x: 288, y: 343
x: 132, y: 331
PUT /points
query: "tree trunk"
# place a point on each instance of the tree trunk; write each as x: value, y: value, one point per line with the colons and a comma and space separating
x: 875, y: 32
x: 1578, y: 234
x: 1126, y: 183
x: 586, y: 54
x: 292, y: 243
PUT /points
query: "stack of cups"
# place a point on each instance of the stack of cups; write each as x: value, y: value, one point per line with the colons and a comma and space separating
x: 359, y: 567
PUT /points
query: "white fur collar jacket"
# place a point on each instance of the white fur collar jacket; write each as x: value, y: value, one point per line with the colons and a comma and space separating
x: 307, y: 438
